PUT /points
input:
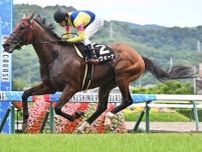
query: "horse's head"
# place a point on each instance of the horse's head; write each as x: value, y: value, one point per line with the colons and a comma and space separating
x: 22, y: 35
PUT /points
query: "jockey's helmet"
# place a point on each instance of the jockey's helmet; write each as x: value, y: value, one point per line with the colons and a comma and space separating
x: 60, y: 15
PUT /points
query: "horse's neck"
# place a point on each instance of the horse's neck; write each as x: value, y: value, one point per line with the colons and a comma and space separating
x: 46, y: 52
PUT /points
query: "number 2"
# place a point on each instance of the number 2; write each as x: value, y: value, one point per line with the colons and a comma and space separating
x: 102, y: 49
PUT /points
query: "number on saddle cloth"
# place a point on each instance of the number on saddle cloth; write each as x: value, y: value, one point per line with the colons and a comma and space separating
x: 104, y: 53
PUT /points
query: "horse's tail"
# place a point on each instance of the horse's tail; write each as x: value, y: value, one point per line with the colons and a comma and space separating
x: 176, y: 72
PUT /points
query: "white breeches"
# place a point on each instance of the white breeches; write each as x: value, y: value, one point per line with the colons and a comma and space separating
x: 91, y: 29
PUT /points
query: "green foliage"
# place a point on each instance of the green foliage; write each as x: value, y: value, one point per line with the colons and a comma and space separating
x: 156, y: 42
x: 158, y: 117
x: 18, y: 85
x: 188, y: 112
x: 170, y: 87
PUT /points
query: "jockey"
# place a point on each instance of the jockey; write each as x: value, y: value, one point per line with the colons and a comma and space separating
x: 86, y: 25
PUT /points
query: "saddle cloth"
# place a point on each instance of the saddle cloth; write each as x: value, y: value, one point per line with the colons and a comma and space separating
x: 103, y: 52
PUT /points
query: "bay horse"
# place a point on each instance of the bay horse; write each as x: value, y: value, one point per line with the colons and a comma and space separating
x: 61, y: 69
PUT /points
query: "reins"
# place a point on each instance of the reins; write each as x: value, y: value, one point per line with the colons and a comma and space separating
x: 55, y: 41
x: 46, y: 42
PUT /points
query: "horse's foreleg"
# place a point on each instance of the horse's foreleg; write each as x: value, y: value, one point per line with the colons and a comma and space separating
x: 37, y: 90
x: 67, y: 93
x: 102, y: 106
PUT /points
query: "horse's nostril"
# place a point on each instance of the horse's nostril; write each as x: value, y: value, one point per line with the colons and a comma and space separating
x: 5, y: 45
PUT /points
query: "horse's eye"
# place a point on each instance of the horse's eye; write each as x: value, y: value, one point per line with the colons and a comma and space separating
x: 22, y: 28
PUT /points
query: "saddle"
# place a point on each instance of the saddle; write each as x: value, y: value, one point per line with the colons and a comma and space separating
x: 103, y: 52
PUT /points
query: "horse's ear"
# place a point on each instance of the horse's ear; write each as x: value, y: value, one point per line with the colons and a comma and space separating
x: 24, y: 16
x: 31, y: 16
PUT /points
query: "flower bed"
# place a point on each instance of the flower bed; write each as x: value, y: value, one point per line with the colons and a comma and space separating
x: 62, y: 125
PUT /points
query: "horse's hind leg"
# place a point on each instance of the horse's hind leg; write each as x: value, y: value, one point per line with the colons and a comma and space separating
x: 101, y: 107
x: 126, y: 101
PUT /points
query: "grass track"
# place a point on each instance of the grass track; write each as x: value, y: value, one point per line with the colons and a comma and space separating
x: 158, y: 142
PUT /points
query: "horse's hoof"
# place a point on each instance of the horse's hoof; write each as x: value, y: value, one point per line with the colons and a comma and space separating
x: 108, y: 117
x: 24, y: 127
x: 78, y: 114
x: 83, y: 126
x: 107, y: 122
x: 79, y: 131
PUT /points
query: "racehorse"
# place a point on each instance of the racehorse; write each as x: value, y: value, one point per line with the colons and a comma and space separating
x: 61, y: 69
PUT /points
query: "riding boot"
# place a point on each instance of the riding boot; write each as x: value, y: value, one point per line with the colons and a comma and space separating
x: 91, y: 55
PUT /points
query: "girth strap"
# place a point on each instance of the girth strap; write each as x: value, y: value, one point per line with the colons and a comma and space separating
x: 89, y: 69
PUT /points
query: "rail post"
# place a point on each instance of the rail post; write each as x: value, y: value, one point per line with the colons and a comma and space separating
x: 137, y: 124
x: 147, y: 117
x: 51, y: 118
x: 44, y: 122
x: 12, y: 119
x: 4, y: 119
x: 195, y: 115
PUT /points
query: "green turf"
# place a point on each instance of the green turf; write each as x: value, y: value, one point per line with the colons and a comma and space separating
x: 158, y: 142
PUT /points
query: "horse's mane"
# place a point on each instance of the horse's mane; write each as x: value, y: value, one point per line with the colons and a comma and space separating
x: 48, y: 27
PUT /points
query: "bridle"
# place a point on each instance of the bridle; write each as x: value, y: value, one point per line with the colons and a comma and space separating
x: 27, y: 37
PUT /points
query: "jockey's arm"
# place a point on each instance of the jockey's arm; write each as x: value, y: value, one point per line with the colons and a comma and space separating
x: 80, y: 36
x: 67, y: 34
